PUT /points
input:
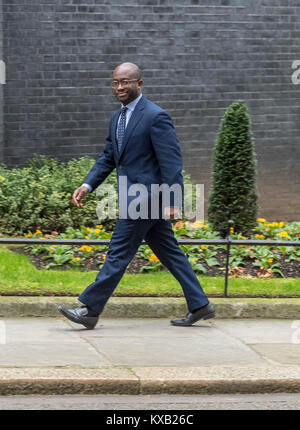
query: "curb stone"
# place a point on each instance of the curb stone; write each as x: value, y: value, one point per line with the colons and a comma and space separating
x: 135, y: 381
x: 153, y: 307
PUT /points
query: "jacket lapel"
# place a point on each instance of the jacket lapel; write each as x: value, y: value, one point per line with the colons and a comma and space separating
x: 134, y: 120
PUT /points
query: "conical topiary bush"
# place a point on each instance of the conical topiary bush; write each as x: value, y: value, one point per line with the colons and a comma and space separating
x: 233, y: 192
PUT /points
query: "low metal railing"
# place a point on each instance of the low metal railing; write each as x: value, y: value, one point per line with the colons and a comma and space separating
x: 228, y: 242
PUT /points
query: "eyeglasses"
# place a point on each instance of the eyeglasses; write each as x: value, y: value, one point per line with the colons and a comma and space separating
x: 123, y: 83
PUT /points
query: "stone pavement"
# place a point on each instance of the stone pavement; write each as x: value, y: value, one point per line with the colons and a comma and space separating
x: 149, y: 356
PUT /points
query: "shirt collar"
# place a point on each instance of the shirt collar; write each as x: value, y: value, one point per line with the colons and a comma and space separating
x: 131, y: 106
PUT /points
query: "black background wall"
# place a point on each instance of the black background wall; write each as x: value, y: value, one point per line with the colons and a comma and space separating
x: 196, y: 56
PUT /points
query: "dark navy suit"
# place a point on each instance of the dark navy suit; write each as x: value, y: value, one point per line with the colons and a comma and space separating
x: 150, y: 154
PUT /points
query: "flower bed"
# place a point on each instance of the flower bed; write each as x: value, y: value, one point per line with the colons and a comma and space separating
x: 245, y: 261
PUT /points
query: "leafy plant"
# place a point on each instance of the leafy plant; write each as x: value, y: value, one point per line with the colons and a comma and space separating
x: 38, y: 196
x: 196, y: 266
x: 208, y: 255
x: 265, y: 258
x: 153, y: 266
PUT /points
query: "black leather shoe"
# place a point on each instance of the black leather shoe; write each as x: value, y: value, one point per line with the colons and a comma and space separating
x: 203, y: 313
x: 79, y: 315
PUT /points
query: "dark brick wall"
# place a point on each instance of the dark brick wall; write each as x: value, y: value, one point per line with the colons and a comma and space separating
x: 196, y: 56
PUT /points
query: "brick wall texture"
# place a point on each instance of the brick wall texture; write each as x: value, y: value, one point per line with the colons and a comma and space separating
x: 197, y: 57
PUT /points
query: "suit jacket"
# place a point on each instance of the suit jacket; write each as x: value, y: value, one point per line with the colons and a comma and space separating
x: 150, y: 154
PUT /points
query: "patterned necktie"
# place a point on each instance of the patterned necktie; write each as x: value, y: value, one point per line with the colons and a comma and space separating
x: 121, y: 127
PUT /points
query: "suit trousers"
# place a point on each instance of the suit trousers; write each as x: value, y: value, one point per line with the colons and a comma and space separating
x: 126, y: 239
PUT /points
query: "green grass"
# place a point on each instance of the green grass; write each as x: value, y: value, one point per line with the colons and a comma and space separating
x: 18, y: 276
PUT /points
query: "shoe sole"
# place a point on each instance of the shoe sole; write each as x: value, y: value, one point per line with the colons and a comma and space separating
x: 208, y: 316
x: 70, y: 317
x: 205, y: 317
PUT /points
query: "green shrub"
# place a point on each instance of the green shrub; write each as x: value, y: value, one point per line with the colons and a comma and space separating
x: 233, y: 194
x: 38, y: 196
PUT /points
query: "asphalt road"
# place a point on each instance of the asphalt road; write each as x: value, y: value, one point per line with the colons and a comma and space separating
x: 152, y: 402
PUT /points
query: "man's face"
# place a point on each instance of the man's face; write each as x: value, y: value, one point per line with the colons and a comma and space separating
x: 132, y: 88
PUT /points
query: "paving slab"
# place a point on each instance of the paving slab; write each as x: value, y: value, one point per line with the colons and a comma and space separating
x: 146, y: 342
x: 45, y: 342
x: 277, y: 341
x: 148, y: 356
x: 254, y: 331
x: 283, y: 353
x: 127, y: 342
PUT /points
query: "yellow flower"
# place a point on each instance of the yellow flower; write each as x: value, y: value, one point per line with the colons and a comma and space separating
x: 244, y: 238
x: 77, y: 258
x: 197, y: 224
x: 104, y: 257
x: 153, y: 258
x: 86, y: 248
x: 50, y: 250
x: 29, y: 235
x: 231, y: 230
x: 260, y: 236
x: 89, y: 230
x: 37, y: 232
x: 99, y: 226
x: 194, y: 259
x: 261, y: 220
x: 283, y: 234
x: 149, y: 250
x: 270, y: 260
x: 178, y: 225
x: 276, y: 224
x: 98, y: 231
x: 53, y: 246
x: 203, y: 247
x: 86, y: 237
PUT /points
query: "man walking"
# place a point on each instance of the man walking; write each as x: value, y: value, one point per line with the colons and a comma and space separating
x: 142, y: 145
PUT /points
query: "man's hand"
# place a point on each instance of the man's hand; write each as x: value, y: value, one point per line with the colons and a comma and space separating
x: 172, y: 213
x: 78, y: 195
